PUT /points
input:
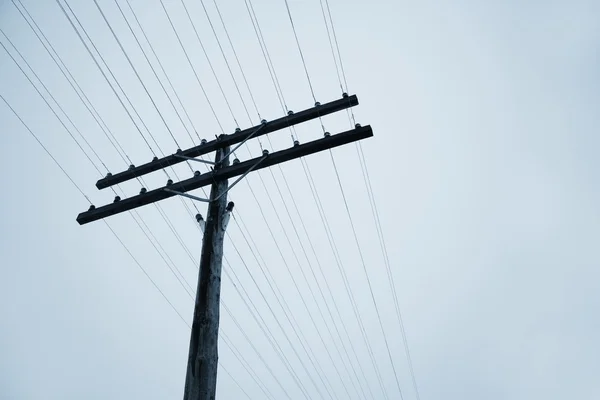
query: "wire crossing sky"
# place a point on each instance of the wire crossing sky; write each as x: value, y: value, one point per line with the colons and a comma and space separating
x: 450, y: 256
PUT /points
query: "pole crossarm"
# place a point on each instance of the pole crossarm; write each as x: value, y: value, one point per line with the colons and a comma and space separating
x: 242, y: 168
x: 222, y: 141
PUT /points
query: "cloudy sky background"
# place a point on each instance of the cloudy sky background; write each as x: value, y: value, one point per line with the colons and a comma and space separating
x: 483, y: 165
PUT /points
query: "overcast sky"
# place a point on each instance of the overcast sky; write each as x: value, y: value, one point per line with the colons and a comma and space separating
x: 483, y: 164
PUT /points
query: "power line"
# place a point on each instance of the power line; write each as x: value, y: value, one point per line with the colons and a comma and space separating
x: 74, y: 84
x: 317, y: 366
x: 135, y: 71
x: 191, y: 66
x: 270, y: 66
x: 235, y: 381
x: 155, y: 75
x: 162, y: 68
x: 45, y: 149
x: 224, y: 58
x: 341, y: 269
x: 265, y: 52
x: 327, y: 287
x: 87, y: 198
x: 236, y: 58
x: 277, y: 320
x: 266, y: 55
x: 46, y: 101
x: 287, y: 6
x: 210, y: 63
x: 366, y: 273
x: 372, y: 201
x: 104, y: 74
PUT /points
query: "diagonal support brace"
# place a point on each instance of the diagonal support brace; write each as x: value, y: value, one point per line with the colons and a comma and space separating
x: 190, y: 196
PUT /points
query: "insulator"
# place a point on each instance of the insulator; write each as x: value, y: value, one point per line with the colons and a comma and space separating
x: 237, y: 130
x: 327, y: 134
x: 290, y: 112
x: 108, y: 174
x: 236, y: 161
x: 264, y: 121
x: 178, y: 151
x: 317, y: 104
x: 344, y: 95
x: 143, y: 190
x: 196, y: 173
x: 169, y: 182
x: 357, y: 126
x: 265, y: 152
x: 154, y: 159
x: 92, y: 207
x: 117, y: 199
x: 131, y: 166
x: 203, y: 141
x: 296, y: 143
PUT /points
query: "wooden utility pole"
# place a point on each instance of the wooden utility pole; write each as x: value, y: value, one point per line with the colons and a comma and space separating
x: 201, y: 376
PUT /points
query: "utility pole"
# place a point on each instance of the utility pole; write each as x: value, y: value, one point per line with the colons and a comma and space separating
x: 201, y: 376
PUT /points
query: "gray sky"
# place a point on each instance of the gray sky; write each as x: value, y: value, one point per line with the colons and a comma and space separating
x: 483, y: 165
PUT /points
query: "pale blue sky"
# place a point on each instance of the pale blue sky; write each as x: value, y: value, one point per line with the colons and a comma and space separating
x: 486, y: 118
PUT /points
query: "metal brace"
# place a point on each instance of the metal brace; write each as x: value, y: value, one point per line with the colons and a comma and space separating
x: 254, y: 132
x: 194, y: 159
x: 189, y: 196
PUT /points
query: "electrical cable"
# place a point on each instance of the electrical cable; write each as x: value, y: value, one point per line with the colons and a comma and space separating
x: 192, y: 66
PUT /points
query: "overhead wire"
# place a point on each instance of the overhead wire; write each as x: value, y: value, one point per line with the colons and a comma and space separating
x: 266, y: 329
x: 155, y: 75
x: 224, y: 57
x: 339, y: 181
x: 366, y: 274
x: 316, y: 364
x: 247, y: 366
x: 266, y: 56
x: 160, y: 64
x: 46, y: 101
x: 253, y: 310
x: 372, y: 201
x: 45, y: 148
x: 135, y: 71
x: 312, y: 91
x: 209, y: 62
x: 67, y: 117
x: 237, y: 58
x: 71, y: 79
x: 88, y: 199
x: 234, y: 381
x: 192, y: 66
x: 300, y: 267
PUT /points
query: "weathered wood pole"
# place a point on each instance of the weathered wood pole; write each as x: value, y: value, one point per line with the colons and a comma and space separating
x: 201, y: 376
